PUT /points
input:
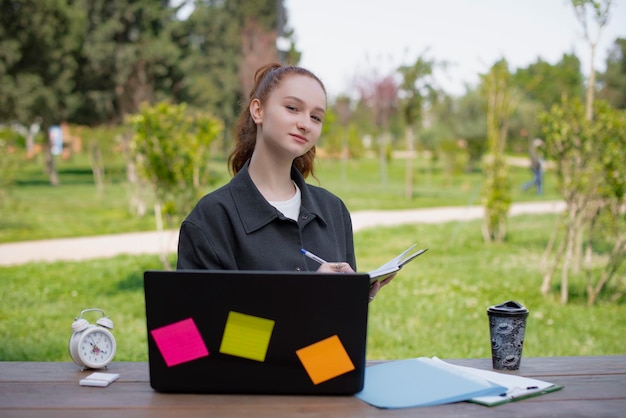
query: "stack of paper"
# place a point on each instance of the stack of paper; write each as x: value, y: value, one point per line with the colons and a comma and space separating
x: 430, y: 381
x: 518, y: 387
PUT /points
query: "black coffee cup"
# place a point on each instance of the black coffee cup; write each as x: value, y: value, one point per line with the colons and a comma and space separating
x: 507, y: 326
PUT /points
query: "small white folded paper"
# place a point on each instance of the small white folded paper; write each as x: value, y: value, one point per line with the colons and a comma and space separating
x: 99, y: 379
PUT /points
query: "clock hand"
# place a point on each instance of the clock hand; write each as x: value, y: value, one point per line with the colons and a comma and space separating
x: 94, y: 347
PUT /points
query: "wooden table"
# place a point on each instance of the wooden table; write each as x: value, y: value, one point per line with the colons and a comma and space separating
x: 594, y: 387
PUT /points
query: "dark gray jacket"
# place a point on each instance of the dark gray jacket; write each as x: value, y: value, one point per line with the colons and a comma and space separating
x: 235, y: 228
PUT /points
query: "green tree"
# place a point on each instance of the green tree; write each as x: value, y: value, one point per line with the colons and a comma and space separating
x: 102, y: 143
x: 417, y: 88
x: 127, y: 57
x: 548, y: 83
x: 39, y: 43
x: 466, y: 116
x: 497, y: 90
x: 592, y: 14
x: 8, y: 162
x: 543, y: 85
x: 379, y: 94
x: 613, y: 80
x: 448, y: 136
x: 211, y: 47
x: 341, y: 134
x: 576, y: 144
x: 171, y: 150
x: 223, y: 43
x: 589, y: 156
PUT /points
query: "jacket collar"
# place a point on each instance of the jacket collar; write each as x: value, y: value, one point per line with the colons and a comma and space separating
x: 255, y: 212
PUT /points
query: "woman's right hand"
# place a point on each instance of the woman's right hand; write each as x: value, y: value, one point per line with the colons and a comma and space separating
x: 338, y: 267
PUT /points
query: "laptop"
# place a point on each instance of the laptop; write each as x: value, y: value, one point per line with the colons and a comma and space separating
x: 256, y: 332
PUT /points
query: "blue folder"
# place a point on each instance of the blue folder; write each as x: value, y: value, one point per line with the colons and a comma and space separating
x: 421, y: 382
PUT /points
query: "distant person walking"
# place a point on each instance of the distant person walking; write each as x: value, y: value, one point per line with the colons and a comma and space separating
x: 536, y: 166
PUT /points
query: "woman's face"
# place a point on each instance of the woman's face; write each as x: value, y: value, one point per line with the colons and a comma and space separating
x: 290, y: 121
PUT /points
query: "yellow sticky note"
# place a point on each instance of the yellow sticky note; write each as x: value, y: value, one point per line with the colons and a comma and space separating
x: 325, y: 359
x: 246, y: 336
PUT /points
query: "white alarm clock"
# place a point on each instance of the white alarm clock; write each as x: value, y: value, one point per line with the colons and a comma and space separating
x: 92, y: 346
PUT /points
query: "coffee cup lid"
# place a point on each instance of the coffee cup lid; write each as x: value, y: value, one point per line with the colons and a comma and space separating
x: 509, y: 308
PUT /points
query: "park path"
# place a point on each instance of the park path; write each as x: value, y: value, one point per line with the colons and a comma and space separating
x: 154, y: 242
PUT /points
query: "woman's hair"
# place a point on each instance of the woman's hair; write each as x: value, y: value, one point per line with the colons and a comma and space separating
x: 266, y: 79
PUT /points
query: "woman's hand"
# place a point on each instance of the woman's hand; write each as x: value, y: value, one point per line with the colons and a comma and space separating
x: 341, y: 267
x: 377, y: 285
x: 338, y: 267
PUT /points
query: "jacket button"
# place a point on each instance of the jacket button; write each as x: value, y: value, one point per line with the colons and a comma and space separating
x: 305, y: 217
x: 298, y: 269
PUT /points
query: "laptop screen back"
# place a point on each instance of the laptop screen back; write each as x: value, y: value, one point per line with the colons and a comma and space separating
x: 256, y: 332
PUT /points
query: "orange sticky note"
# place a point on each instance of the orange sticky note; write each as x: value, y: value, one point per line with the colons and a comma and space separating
x: 325, y: 359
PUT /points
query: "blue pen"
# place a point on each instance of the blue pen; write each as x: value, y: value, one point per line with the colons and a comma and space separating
x: 312, y: 256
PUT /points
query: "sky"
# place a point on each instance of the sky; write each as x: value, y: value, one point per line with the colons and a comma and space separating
x: 344, y: 39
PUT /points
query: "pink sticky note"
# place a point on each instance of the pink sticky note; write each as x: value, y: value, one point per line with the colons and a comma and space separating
x: 180, y: 342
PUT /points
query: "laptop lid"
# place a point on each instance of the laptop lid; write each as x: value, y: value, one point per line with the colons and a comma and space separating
x: 256, y: 332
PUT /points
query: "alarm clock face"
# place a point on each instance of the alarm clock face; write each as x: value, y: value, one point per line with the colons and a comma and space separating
x: 96, y: 347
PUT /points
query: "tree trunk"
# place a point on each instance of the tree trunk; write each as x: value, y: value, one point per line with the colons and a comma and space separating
x: 51, y: 170
x: 196, y: 176
x: 548, y: 251
x: 97, y: 167
x: 615, y: 261
x: 577, y: 254
x: 570, y: 248
x: 137, y: 202
x: 158, y: 216
x: 408, y: 182
x: 382, y: 156
x: 345, y: 153
x: 549, y: 272
x: 591, y: 85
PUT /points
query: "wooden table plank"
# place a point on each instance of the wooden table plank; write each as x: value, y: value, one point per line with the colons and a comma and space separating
x: 605, y: 409
x: 131, y: 371
x: 132, y: 395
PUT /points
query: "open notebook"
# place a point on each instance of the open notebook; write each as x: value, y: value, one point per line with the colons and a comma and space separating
x: 395, y: 264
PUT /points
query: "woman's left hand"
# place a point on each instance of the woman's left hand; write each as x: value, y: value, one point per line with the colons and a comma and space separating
x: 377, y: 285
x: 342, y: 267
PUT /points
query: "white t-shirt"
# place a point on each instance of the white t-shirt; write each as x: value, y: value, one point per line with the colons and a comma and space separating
x: 290, y: 208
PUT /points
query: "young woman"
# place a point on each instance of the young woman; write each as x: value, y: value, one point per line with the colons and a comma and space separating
x: 267, y: 212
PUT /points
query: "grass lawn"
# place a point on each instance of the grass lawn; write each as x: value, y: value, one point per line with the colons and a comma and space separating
x: 36, y: 210
x: 436, y: 306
